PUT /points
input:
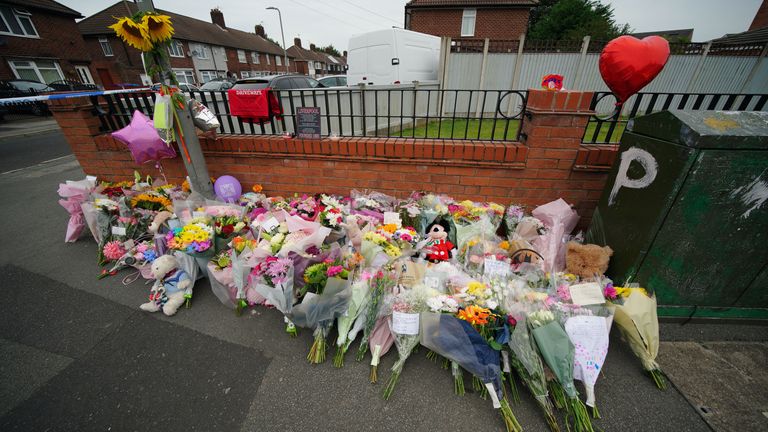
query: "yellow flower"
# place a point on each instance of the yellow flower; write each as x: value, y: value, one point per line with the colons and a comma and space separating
x: 133, y: 33
x: 496, y: 207
x: 390, y: 228
x: 257, y: 188
x: 187, y: 238
x: 158, y: 27
x: 476, y: 289
x: 392, y: 251
x: 504, y: 245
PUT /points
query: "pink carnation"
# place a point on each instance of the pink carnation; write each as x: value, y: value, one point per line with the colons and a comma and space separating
x: 334, y: 270
x: 113, y: 250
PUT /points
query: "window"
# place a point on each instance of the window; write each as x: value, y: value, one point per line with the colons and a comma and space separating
x: 106, y: 47
x: 200, y: 51
x: 278, y: 61
x: 468, y: 22
x: 241, y: 56
x: 176, y: 49
x: 255, y: 57
x: 208, y: 75
x: 45, y: 71
x: 267, y: 56
x: 84, y: 74
x: 245, y: 74
x: 17, y: 22
x: 185, y: 76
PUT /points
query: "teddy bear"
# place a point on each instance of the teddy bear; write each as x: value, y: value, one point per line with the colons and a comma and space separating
x: 587, y: 260
x: 158, y: 221
x: 171, y: 288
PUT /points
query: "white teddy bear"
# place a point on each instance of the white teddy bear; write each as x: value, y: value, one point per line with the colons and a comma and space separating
x: 172, y: 286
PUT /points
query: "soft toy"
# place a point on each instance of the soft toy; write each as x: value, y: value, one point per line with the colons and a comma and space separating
x: 159, y: 220
x: 587, y: 260
x: 172, y: 286
x: 438, y: 246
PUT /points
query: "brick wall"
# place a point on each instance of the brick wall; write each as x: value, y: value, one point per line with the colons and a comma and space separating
x: 124, y: 66
x: 551, y: 162
x: 59, y: 39
x: 489, y: 23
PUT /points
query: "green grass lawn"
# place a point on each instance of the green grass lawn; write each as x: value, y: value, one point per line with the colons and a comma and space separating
x: 458, y: 128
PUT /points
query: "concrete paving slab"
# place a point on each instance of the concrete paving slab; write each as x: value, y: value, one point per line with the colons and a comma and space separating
x: 23, y: 369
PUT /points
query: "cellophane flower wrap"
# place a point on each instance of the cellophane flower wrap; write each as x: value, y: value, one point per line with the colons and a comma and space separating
x: 195, y: 238
x: 558, y: 353
x: 381, y: 283
x: 404, y: 325
x: 73, y: 194
x: 318, y: 311
x: 273, y: 280
x: 371, y: 205
x: 559, y: 219
x: 333, y: 215
x: 358, y: 300
x: 636, y: 317
x: 458, y: 341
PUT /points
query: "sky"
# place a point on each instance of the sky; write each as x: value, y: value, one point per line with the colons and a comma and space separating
x: 334, y: 21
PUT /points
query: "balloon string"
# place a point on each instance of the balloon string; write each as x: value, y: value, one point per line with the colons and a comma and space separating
x: 181, y: 136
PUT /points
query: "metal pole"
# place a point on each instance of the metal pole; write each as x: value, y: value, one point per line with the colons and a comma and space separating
x: 282, y: 34
x: 199, y: 179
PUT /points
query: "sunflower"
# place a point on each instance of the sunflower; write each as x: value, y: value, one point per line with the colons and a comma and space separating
x: 133, y: 33
x: 158, y: 27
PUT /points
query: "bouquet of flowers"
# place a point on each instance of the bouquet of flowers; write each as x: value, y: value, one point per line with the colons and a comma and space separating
x: 388, y: 242
x: 226, y: 228
x: 457, y: 340
x: 558, y: 352
x: 333, y: 216
x: 254, y: 204
x: 635, y: 315
x: 221, y: 272
x: 357, y: 302
x: 306, y: 207
x: 195, y: 238
x: 559, y: 220
x: 381, y: 284
x: 73, y: 194
x: 371, y: 205
x: 152, y: 200
x: 379, y: 342
x: 404, y: 325
x: 273, y: 279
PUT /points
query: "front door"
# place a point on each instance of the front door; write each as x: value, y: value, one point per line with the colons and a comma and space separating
x: 106, y: 79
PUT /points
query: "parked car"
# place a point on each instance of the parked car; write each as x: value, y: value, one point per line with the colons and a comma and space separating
x: 72, y: 85
x: 20, y: 88
x: 278, y: 82
x: 217, y: 85
x: 334, y: 81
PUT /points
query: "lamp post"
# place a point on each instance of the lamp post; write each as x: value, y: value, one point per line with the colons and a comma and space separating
x: 285, y: 52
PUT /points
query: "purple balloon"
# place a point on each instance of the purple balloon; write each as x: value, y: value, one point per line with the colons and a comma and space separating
x: 143, y: 140
x: 227, y: 188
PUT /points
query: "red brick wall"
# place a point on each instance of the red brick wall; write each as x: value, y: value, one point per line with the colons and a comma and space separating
x: 124, y: 66
x: 551, y: 163
x: 761, y: 17
x: 489, y: 23
x: 59, y: 39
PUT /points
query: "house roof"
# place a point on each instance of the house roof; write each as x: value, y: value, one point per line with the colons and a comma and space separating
x: 46, y: 5
x: 757, y: 36
x: 307, y: 55
x: 186, y: 28
x: 680, y: 33
x: 470, y: 3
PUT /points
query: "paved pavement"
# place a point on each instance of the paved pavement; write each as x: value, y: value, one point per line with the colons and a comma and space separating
x: 77, y: 354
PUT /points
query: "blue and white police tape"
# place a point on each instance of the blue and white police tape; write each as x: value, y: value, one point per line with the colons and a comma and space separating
x: 56, y: 96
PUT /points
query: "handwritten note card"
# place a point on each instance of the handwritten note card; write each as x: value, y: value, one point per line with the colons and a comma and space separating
x: 587, y: 294
x: 405, y: 323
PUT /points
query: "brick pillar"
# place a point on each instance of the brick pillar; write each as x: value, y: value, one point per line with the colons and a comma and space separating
x: 79, y: 126
x: 553, y: 133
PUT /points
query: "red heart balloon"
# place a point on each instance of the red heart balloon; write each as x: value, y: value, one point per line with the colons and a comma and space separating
x: 628, y: 64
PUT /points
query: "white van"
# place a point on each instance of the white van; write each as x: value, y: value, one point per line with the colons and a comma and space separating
x: 392, y: 56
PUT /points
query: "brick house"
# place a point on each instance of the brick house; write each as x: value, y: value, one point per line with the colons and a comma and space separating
x: 315, y: 63
x: 200, y: 50
x: 39, y: 41
x: 475, y: 19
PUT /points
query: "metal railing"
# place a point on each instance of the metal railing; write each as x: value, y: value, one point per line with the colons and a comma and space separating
x: 394, y: 111
x: 608, y: 124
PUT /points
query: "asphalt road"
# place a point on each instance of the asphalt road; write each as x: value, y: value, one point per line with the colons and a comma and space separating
x: 22, y: 151
x: 76, y: 353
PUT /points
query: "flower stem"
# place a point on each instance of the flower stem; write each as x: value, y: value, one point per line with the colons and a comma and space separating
x: 595, y: 412
x: 549, y: 413
x: 558, y: 394
x: 317, y: 351
x: 513, y: 388
x: 477, y: 385
x: 374, y: 374
x: 362, y: 350
x: 578, y: 410
x: 458, y: 379
x: 431, y: 355
x: 446, y: 363
x: 338, y: 358
x: 391, y: 384
x: 510, y: 421
x: 658, y: 378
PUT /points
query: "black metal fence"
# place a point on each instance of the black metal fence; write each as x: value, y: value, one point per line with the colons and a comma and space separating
x: 495, y: 115
x: 608, y: 124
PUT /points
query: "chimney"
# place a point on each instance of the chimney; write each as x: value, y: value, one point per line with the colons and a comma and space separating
x: 217, y: 17
x: 260, y: 30
x: 311, y: 47
x: 344, y: 54
x: 297, y: 42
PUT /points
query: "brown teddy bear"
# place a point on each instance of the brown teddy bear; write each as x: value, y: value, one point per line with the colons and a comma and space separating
x: 587, y: 260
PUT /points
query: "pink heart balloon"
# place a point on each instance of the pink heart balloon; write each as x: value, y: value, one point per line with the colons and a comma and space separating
x: 143, y: 141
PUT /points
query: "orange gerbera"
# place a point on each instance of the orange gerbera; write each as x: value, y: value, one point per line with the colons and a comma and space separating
x: 475, y: 315
x: 257, y: 188
x: 390, y: 228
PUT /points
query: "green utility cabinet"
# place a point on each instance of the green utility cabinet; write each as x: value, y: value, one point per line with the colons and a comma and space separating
x: 685, y: 209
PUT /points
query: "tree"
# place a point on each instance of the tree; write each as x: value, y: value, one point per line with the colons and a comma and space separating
x: 574, y: 19
x: 329, y: 50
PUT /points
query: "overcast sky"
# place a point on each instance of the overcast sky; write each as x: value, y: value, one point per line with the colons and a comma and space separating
x: 334, y: 21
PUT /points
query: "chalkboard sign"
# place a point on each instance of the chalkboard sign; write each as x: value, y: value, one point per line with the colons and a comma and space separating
x: 308, y: 122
